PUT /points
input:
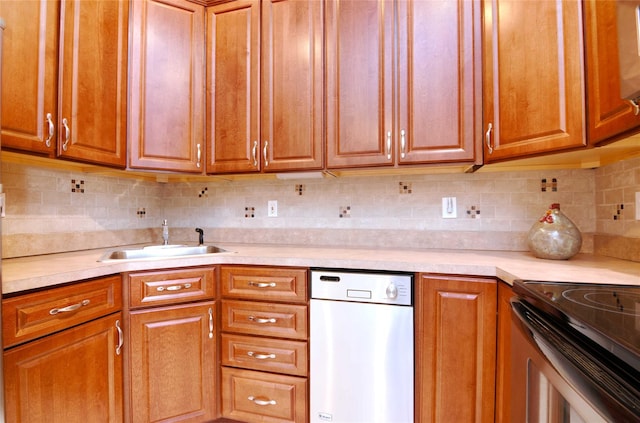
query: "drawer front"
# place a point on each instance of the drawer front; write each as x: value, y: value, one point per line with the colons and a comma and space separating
x: 279, y: 320
x: 264, y: 283
x: 251, y: 396
x: 171, y: 286
x: 272, y: 355
x: 30, y: 316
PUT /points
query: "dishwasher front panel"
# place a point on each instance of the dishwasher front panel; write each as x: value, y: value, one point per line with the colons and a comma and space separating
x: 361, y: 362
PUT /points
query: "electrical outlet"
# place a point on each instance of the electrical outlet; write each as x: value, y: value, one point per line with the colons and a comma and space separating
x: 272, y: 208
x: 449, y: 210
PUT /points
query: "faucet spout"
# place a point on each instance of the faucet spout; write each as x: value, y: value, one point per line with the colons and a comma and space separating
x: 200, y: 236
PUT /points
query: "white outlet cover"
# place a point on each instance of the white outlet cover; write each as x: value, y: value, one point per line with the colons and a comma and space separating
x: 449, y: 209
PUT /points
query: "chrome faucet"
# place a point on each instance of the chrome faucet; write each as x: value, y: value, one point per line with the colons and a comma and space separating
x: 165, y: 232
x: 200, y: 236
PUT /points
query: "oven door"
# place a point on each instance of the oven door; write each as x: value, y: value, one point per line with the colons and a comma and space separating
x: 555, y: 378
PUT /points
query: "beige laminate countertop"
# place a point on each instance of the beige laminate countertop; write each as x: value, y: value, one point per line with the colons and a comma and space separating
x: 20, y: 274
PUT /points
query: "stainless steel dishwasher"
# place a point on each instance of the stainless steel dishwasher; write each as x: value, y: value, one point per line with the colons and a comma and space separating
x: 361, y: 347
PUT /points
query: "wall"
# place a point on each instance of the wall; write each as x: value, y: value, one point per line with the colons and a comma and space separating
x: 51, y: 210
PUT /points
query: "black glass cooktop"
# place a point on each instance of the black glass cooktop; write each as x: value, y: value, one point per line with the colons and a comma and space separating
x: 608, y: 315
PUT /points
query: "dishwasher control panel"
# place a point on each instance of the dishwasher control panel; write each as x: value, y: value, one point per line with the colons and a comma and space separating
x: 380, y: 288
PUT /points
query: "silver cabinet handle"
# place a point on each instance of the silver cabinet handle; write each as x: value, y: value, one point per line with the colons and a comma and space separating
x: 389, y: 145
x: 52, y: 130
x: 67, y: 309
x: 67, y: 134
x: 199, y: 156
x: 173, y: 287
x: 636, y: 106
x: 261, y: 400
x: 403, y: 143
x: 262, y: 284
x: 260, y: 356
x: 487, y: 137
x: 120, y: 338
x: 262, y: 320
x: 254, y: 153
x: 265, y: 153
x: 210, y: 323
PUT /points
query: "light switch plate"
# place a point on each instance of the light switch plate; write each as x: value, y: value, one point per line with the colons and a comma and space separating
x: 449, y: 209
x: 272, y: 208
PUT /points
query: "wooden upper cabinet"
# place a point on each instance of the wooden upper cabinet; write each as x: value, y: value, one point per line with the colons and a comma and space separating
x: 68, y: 67
x: 534, y: 92
x: 440, y: 81
x: 265, y: 86
x: 166, y: 77
x: 608, y: 116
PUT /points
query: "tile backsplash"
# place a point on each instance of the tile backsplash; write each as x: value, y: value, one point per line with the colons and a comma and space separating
x: 52, y: 210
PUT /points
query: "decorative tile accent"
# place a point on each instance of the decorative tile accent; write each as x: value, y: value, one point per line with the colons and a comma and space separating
x: 546, y: 186
x: 345, y: 211
x: 249, y: 212
x: 405, y: 188
x: 203, y: 192
x: 473, y: 212
x: 77, y: 186
x: 300, y: 188
x: 142, y: 213
x: 619, y: 210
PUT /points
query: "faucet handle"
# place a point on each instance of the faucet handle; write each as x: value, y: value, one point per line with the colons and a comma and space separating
x: 200, y: 236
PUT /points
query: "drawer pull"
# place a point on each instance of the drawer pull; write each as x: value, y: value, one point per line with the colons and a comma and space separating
x: 262, y: 284
x: 262, y: 320
x: 72, y: 307
x: 260, y: 356
x: 261, y: 400
x: 120, y: 338
x: 173, y: 287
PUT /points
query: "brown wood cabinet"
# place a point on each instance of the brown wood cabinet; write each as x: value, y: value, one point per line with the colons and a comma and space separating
x: 166, y: 78
x: 63, y: 359
x: 264, y: 344
x: 171, y: 362
x: 455, y: 345
x: 66, y: 79
x: 265, y: 86
x: 408, y: 92
x: 503, y: 370
x: 534, y: 87
x: 608, y: 116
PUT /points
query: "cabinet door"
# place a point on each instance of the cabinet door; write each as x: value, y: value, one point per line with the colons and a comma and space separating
x: 455, y: 342
x: 503, y: 371
x: 166, y: 121
x: 608, y: 115
x: 74, y: 376
x: 93, y: 81
x: 233, y: 87
x: 292, y: 96
x: 533, y: 77
x: 173, y: 364
x: 30, y: 75
x: 359, y: 64
x: 440, y: 85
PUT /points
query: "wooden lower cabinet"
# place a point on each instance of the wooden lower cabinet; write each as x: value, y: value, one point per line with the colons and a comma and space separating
x: 172, y: 366
x: 73, y: 376
x: 455, y: 345
x: 503, y: 371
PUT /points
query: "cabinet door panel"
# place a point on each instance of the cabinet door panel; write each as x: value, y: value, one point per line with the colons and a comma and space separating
x: 166, y: 128
x: 533, y: 77
x: 30, y: 76
x: 440, y: 81
x: 233, y: 87
x: 74, y: 376
x: 292, y: 88
x: 359, y: 63
x: 173, y: 364
x: 93, y: 81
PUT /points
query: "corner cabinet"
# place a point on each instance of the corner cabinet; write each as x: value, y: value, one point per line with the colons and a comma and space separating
x: 455, y: 348
x: 171, y: 362
x: 408, y: 92
x: 608, y: 116
x: 534, y: 81
x: 265, y: 91
x: 166, y: 86
x: 67, y: 81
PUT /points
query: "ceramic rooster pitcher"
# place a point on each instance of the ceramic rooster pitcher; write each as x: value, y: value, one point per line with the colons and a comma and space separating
x: 554, y: 236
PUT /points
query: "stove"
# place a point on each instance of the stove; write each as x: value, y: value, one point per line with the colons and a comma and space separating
x: 606, y: 315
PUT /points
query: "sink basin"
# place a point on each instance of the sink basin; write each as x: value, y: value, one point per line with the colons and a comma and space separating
x: 161, y: 251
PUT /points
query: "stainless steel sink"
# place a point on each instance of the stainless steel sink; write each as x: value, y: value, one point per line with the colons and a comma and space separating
x: 161, y: 251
